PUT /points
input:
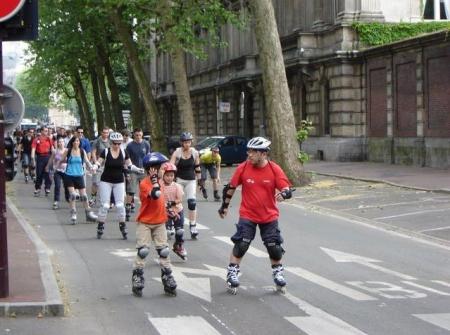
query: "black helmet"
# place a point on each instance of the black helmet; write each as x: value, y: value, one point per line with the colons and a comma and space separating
x: 153, y: 159
x: 186, y: 136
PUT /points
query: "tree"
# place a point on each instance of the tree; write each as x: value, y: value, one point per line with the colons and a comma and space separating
x: 285, y: 147
x: 34, y: 95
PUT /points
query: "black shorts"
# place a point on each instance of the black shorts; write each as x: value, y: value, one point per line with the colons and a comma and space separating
x: 77, y: 182
x: 246, y: 231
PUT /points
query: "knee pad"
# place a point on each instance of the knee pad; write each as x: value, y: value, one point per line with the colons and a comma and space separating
x: 105, y: 206
x: 83, y: 198
x: 143, y: 252
x: 275, y: 250
x: 191, y: 204
x: 119, y: 205
x: 73, y: 196
x: 163, y: 252
x: 240, y: 248
x: 179, y: 232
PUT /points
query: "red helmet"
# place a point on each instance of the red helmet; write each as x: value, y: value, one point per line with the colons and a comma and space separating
x: 169, y: 167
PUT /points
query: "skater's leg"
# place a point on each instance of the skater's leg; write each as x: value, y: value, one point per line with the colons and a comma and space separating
x: 272, y: 239
x: 143, y: 237
x: 159, y: 237
x: 178, y: 246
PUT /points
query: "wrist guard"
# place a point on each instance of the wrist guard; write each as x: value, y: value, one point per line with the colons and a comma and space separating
x: 287, y: 193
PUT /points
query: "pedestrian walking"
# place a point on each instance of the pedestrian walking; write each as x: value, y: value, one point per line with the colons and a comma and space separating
x: 54, y: 163
x: 41, y: 149
x: 25, y: 149
x: 263, y: 184
x: 151, y: 226
x: 100, y: 144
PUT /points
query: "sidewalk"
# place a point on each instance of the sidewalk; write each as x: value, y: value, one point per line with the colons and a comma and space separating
x: 420, y: 178
x: 32, y: 284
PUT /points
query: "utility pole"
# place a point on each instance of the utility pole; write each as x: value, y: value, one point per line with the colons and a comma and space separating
x: 4, y: 278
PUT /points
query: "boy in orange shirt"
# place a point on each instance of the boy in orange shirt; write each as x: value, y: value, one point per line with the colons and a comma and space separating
x: 151, y: 226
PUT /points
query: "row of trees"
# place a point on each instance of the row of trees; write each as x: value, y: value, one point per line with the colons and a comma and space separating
x: 94, y: 52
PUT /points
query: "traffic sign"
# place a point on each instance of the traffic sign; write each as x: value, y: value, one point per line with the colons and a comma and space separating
x: 13, y: 108
x: 9, y: 8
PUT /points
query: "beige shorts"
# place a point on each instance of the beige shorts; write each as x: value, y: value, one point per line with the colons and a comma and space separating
x: 146, y: 233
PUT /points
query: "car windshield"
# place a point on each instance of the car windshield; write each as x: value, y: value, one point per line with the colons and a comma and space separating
x: 207, y: 142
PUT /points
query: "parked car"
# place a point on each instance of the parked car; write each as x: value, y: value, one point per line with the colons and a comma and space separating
x: 233, y: 149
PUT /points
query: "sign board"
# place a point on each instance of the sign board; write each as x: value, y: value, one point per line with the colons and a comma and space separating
x: 224, y: 107
x: 12, y: 107
x: 9, y: 8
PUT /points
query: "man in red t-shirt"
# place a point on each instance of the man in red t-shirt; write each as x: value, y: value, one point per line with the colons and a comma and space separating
x: 260, y: 180
x: 41, y: 149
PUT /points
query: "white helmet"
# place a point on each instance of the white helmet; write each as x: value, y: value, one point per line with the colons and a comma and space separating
x: 259, y: 143
x: 116, y: 137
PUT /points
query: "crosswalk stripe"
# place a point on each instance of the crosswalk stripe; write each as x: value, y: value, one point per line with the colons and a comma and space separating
x: 329, y: 284
x: 444, y: 283
x: 253, y: 251
x: 186, y: 325
x: 318, y: 322
x: 438, y: 319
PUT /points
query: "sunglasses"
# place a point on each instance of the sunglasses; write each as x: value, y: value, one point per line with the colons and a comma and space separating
x: 115, y: 143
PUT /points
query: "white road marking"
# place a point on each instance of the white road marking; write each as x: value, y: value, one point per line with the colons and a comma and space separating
x: 331, y: 285
x: 444, y: 283
x: 434, y: 229
x: 253, y: 251
x: 199, y: 226
x: 425, y: 288
x: 411, y: 213
x: 196, y: 286
x: 186, y: 325
x: 439, y: 319
x: 343, y: 257
x: 395, y: 204
x: 125, y: 253
x: 319, y: 322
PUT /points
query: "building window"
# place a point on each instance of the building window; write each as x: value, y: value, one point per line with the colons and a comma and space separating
x: 441, y: 12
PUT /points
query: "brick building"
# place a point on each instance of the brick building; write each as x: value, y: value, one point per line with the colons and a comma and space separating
x: 390, y: 103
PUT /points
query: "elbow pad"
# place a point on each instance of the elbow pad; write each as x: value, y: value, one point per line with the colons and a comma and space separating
x: 155, y: 193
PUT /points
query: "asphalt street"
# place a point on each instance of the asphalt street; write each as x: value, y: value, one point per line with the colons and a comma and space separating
x: 355, y: 264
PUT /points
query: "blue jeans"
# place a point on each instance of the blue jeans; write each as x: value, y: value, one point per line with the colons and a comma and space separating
x: 58, y: 180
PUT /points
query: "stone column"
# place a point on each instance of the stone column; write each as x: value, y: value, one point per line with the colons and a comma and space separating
x: 345, y: 10
x: 370, y: 10
x: 319, y: 23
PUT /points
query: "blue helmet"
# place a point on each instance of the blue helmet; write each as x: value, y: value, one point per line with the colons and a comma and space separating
x: 153, y: 159
x: 186, y: 136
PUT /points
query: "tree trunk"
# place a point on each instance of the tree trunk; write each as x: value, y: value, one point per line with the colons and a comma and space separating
x: 97, y: 101
x: 178, y: 69
x: 182, y: 91
x: 113, y: 90
x: 153, y: 119
x: 285, y: 147
x: 109, y: 121
x: 136, y: 110
x: 86, y: 119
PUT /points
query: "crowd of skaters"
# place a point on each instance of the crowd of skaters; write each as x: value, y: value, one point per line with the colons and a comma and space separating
x: 122, y: 165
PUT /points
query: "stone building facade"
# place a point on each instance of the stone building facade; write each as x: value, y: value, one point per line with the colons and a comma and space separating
x: 380, y: 104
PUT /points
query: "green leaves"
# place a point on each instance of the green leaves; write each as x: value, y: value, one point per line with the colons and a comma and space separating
x: 373, y: 34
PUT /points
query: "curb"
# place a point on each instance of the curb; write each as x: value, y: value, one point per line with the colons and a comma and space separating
x: 53, y: 304
x: 382, y: 181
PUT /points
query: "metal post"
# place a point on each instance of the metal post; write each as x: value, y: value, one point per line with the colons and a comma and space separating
x: 4, y: 281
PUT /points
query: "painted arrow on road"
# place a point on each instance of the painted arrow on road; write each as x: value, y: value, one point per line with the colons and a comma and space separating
x: 343, y: 257
x: 199, y: 287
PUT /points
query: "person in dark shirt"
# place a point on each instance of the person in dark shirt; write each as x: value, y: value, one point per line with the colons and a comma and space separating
x: 112, y: 180
x: 25, y: 155
x: 136, y: 149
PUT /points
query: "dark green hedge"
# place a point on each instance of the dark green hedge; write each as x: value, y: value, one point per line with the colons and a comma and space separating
x: 373, y: 34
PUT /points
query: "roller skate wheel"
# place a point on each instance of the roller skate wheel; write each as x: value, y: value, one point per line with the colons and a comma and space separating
x: 170, y: 293
x: 137, y: 292
x: 232, y: 290
x: 280, y: 289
